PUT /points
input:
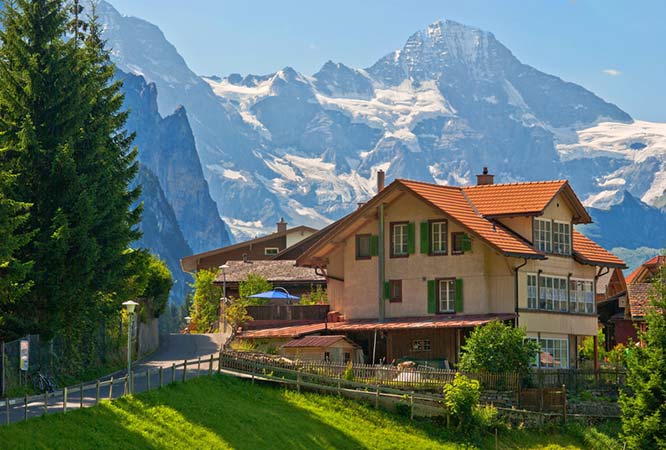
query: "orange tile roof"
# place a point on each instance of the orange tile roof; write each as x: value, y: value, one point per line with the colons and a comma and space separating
x: 587, y: 251
x: 648, y: 267
x: 453, y: 202
x: 639, y: 298
x: 513, y: 198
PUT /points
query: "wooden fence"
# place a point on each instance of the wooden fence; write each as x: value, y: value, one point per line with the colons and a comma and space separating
x: 288, y: 312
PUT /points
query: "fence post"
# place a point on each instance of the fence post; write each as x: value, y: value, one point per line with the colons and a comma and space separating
x: 173, y: 372
x: 64, y: 400
x: 411, y: 406
x: 111, y: 388
x: 126, y: 385
x: 184, y: 370
x: 564, y: 403
x: 3, y: 387
x: 81, y: 396
x: 147, y: 380
x: 7, y: 410
x: 377, y: 396
x: 46, y: 402
x: 25, y: 407
x: 198, y: 365
x: 219, y: 362
x: 161, y: 380
x: 339, y: 393
x: 298, y: 381
x: 97, y: 392
x: 210, y: 366
x: 131, y: 386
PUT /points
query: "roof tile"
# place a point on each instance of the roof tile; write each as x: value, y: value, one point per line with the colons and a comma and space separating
x: 587, y: 251
x: 513, y: 198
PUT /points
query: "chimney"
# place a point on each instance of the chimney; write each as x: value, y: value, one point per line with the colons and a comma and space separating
x: 485, y: 178
x: 380, y: 180
x: 281, y: 225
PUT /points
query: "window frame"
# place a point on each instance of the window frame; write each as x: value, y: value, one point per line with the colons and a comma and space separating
x: 392, y: 227
x: 536, y: 234
x: 421, y: 345
x: 392, y: 284
x: 578, y: 298
x: 455, y: 234
x: 266, y: 251
x: 356, y: 250
x: 563, y: 349
x: 431, y: 250
x: 451, y: 300
x: 548, y: 288
x: 568, y: 250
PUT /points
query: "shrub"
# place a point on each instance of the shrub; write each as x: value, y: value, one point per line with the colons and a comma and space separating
x: 348, y: 374
x: 317, y: 296
x: 496, y: 348
x: 586, y: 348
x: 461, y: 398
x: 403, y: 409
x: 617, y: 357
x: 487, y: 417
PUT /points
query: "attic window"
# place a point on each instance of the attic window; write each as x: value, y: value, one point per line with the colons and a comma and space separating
x: 271, y: 251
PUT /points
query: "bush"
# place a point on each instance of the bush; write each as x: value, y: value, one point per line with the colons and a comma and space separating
x: 403, y: 409
x: 461, y: 398
x: 497, y: 348
x: 348, y: 374
x: 487, y: 417
x: 317, y: 296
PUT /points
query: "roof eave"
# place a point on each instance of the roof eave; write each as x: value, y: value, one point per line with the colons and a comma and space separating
x: 590, y: 262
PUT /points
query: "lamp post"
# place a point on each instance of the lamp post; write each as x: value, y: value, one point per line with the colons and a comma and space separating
x: 129, y: 306
x: 224, y: 268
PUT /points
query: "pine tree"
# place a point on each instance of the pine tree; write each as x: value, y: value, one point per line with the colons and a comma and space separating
x: 643, y: 401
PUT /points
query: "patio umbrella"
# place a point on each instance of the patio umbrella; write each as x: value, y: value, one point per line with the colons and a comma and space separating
x: 275, y: 294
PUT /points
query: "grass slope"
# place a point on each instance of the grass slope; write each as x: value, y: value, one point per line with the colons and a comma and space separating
x: 224, y: 412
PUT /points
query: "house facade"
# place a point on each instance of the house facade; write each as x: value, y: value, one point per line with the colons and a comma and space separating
x: 413, y: 270
x: 261, y: 248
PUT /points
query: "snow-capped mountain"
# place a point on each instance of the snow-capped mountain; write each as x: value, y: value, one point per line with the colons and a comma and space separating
x: 452, y: 100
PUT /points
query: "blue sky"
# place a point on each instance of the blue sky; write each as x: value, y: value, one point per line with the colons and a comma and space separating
x: 615, y: 48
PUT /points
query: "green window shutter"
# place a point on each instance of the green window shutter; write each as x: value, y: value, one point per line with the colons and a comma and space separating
x: 411, y: 231
x: 466, y: 243
x: 374, y: 245
x: 387, y: 290
x: 459, y: 295
x: 425, y: 237
x: 432, y: 297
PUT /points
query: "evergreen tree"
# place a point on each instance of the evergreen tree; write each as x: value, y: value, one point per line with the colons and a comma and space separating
x: 643, y: 401
x: 39, y: 114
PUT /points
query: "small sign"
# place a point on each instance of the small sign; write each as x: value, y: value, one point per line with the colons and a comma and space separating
x: 25, y: 354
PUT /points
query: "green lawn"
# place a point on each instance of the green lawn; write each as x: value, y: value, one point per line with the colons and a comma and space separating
x: 224, y: 412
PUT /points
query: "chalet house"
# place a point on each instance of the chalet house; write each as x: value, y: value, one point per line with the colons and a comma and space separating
x: 639, y: 290
x: 261, y: 248
x: 613, y: 309
x: 333, y: 348
x: 414, y: 269
x: 280, y: 273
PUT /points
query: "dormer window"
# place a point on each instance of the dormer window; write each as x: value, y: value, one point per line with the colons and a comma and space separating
x: 561, y: 238
x: 543, y: 235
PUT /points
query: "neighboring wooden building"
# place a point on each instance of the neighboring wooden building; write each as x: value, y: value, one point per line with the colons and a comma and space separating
x: 414, y: 269
x: 331, y: 348
x: 281, y: 274
x: 612, y: 308
x: 261, y: 248
x: 639, y: 291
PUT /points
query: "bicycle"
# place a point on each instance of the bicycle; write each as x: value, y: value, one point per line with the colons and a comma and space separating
x: 43, y: 383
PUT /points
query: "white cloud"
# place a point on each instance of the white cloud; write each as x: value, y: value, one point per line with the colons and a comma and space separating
x: 612, y: 72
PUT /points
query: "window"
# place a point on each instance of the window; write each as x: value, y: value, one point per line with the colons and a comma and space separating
x: 554, y: 353
x: 421, y: 345
x: 438, y: 238
x: 542, y: 235
x: 399, y: 239
x: 458, y: 243
x: 446, y: 296
x: 327, y: 356
x: 561, y: 238
x: 395, y: 291
x: 552, y: 293
x: 271, y: 251
x: 532, y: 291
x: 363, y: 246
x: 347, y: 357
x: 582, y: 296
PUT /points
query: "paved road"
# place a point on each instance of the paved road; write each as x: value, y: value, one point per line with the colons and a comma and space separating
x: 174, y: 350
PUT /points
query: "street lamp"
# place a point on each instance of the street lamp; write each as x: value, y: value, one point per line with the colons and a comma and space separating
x: 129, y: 306
x: 224, y: 268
